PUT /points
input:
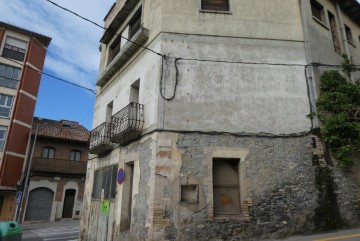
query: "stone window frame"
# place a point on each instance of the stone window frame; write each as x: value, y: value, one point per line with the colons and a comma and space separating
x: 245, y: 198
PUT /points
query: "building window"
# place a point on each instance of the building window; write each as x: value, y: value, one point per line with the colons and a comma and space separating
x: 9, y: 76
x: 135, y: 23
x: 104, y: 185
x: 226, y: 186
x: 114, y: 48
x: 349, y: 35
x: 334, y: 33
x: 14, y: 49
x: 215, y: 5
x: 48, y: 152
x: 75, y: 155
x: 3, y: 130
x: 318, y: 11
x: 6, y: 102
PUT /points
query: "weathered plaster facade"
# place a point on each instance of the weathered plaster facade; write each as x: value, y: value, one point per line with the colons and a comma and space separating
x: 233, y: 88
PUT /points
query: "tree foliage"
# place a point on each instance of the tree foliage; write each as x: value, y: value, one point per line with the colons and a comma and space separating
x: 338, y: 101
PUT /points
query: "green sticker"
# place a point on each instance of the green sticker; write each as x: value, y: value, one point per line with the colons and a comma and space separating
x: 105, y: 206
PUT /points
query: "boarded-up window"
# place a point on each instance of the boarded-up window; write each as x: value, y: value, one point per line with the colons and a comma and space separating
x: 216, y: 5
x: 334, y: 33
x: 105, y: 183
x: 226, y: 186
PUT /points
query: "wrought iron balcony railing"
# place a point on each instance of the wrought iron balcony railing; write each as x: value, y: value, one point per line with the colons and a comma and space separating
x: 127, y: 124
x: 58, y: 165
x: 100, y: 139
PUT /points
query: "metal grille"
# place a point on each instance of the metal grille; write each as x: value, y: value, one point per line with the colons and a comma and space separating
x: 126, y: 125
x: 100, y: 139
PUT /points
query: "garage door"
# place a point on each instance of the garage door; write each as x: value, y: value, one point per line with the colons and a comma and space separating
x: 39, y: 204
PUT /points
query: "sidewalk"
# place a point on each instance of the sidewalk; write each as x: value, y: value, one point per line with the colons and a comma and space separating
x: 32, y: 226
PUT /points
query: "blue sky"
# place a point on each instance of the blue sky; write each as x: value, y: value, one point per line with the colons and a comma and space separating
x: 72, y: 55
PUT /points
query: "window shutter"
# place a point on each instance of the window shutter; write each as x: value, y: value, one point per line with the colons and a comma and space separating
x: 15, y: 42
x: 217, y: 5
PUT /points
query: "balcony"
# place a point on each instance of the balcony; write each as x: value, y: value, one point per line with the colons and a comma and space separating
x: 127, y: 124
x: 58, y: 166
x: 126, y: 52
x: 100, y: 139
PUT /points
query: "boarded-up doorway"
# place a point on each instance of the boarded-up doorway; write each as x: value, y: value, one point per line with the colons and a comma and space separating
x: 69, y: 201
x: 226, y: 186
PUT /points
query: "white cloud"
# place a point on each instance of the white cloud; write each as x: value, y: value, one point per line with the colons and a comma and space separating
x: 73, y: 53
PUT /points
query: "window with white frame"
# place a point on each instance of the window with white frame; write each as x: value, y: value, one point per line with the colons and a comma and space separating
x: 6, y: 102
x: 215, y: 5
x: 3, y: 130
x: 75, y: 155
x: 9, y: 76
x: 14, y: 49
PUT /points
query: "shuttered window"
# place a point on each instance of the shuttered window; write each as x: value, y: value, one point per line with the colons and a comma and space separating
x: 14, y: 49
x: 216, y: 5
x: 105, y: 183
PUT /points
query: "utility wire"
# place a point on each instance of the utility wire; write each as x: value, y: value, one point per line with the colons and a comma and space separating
x: 98, y: 25
x: 52, y: 76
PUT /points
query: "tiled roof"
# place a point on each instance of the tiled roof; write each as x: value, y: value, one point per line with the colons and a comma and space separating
x: 63, y: 129
x: 44, y: 39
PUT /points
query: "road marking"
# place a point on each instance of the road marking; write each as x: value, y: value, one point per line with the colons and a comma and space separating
x: 339, y: 237
x: 57, y: 238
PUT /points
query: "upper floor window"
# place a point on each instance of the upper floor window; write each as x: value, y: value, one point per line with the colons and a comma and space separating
x: 215, y: 5
x: 114, y: 48
x: 48, y: 152
x: 5, y: 105
x: 3, y: 130
x: 14, y: 49
x: 318, y: 11
x: 349, y: 35
x: 135, y: 23
x: 9, y: 76
x: 75, y: 155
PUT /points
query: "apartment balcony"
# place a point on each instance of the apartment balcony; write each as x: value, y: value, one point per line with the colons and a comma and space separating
x: 100, y: 139
x: 58, y: 166
x: 126, y: 52
x: 127, y: 124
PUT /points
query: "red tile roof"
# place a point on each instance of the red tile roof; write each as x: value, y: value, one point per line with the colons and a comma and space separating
x: 64, y: 129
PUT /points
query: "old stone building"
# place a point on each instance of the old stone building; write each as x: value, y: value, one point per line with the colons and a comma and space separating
x: 22, y: 56
x: 200, y: 128
x: 58, y: 169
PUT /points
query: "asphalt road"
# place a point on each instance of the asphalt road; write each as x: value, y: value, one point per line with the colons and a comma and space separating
x: 344, y: 235
x: 52, y: 234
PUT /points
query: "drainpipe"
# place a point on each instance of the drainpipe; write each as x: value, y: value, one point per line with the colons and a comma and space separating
x: 19, y: 209
x: 309, y: 69
x: 343, y: 31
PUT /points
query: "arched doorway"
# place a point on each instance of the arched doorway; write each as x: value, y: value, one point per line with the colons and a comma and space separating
x: 39, y: 204
x: 69, y: 201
